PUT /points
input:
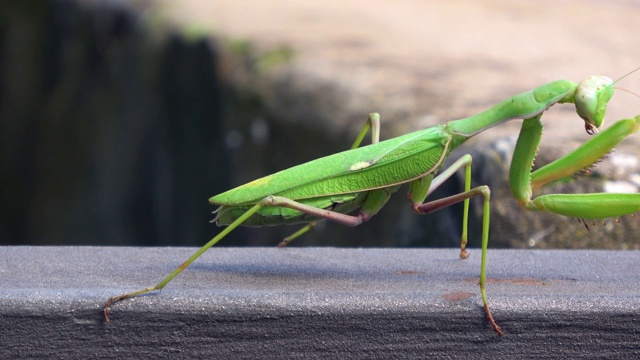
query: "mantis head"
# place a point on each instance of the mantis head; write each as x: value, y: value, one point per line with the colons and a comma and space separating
x: 591, y: 98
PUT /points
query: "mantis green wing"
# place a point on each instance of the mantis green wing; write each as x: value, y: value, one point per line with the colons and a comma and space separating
x: 336, y: 181
x: 395, y: 161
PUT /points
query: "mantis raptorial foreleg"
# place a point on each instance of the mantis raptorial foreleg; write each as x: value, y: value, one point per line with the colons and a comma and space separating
x: 373, y: 124
x: 584, y: 206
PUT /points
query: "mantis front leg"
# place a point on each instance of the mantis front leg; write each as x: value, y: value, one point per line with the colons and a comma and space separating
x: 582, y: 206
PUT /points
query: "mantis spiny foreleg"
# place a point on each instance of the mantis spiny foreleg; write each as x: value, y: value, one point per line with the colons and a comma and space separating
x: 583, y: 206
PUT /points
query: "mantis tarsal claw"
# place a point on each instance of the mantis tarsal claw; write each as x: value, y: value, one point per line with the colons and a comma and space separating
x: 352, y: 186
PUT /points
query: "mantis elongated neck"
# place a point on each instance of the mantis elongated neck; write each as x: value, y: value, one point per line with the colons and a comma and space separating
x: 522, y: 106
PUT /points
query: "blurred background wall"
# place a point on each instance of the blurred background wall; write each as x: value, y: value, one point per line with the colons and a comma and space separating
x: 116, y: 129
x: 108, y: 135
x: 119, y: 119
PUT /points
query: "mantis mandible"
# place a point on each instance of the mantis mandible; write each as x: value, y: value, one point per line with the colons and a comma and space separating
x: 352, y: 186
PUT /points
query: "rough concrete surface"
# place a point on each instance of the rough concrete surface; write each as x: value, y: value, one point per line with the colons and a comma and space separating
x: 317, y: 302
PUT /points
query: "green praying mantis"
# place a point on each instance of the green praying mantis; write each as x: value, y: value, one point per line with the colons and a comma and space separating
x: 352, y: 186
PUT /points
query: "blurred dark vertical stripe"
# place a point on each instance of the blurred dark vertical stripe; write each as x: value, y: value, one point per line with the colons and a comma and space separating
x: 106, y: 136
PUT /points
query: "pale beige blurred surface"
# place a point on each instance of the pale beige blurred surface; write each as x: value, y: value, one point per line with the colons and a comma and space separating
x: 444, y: 60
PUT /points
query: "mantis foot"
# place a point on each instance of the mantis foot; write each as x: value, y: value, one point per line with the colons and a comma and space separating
x: 495, y: 326
x: 107, y: 306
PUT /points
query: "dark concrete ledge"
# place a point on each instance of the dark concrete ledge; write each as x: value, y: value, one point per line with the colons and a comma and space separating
x: 317, y: 302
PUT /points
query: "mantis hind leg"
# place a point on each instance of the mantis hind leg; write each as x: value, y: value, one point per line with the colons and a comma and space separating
x: 373, y: 124
x: 107, y: 306
x: 375, y: 200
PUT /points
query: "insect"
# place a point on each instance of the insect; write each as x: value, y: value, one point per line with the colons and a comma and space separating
x: 352, y: 186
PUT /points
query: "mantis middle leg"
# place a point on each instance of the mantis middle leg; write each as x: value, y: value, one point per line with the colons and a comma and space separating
x: 421, y: 188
